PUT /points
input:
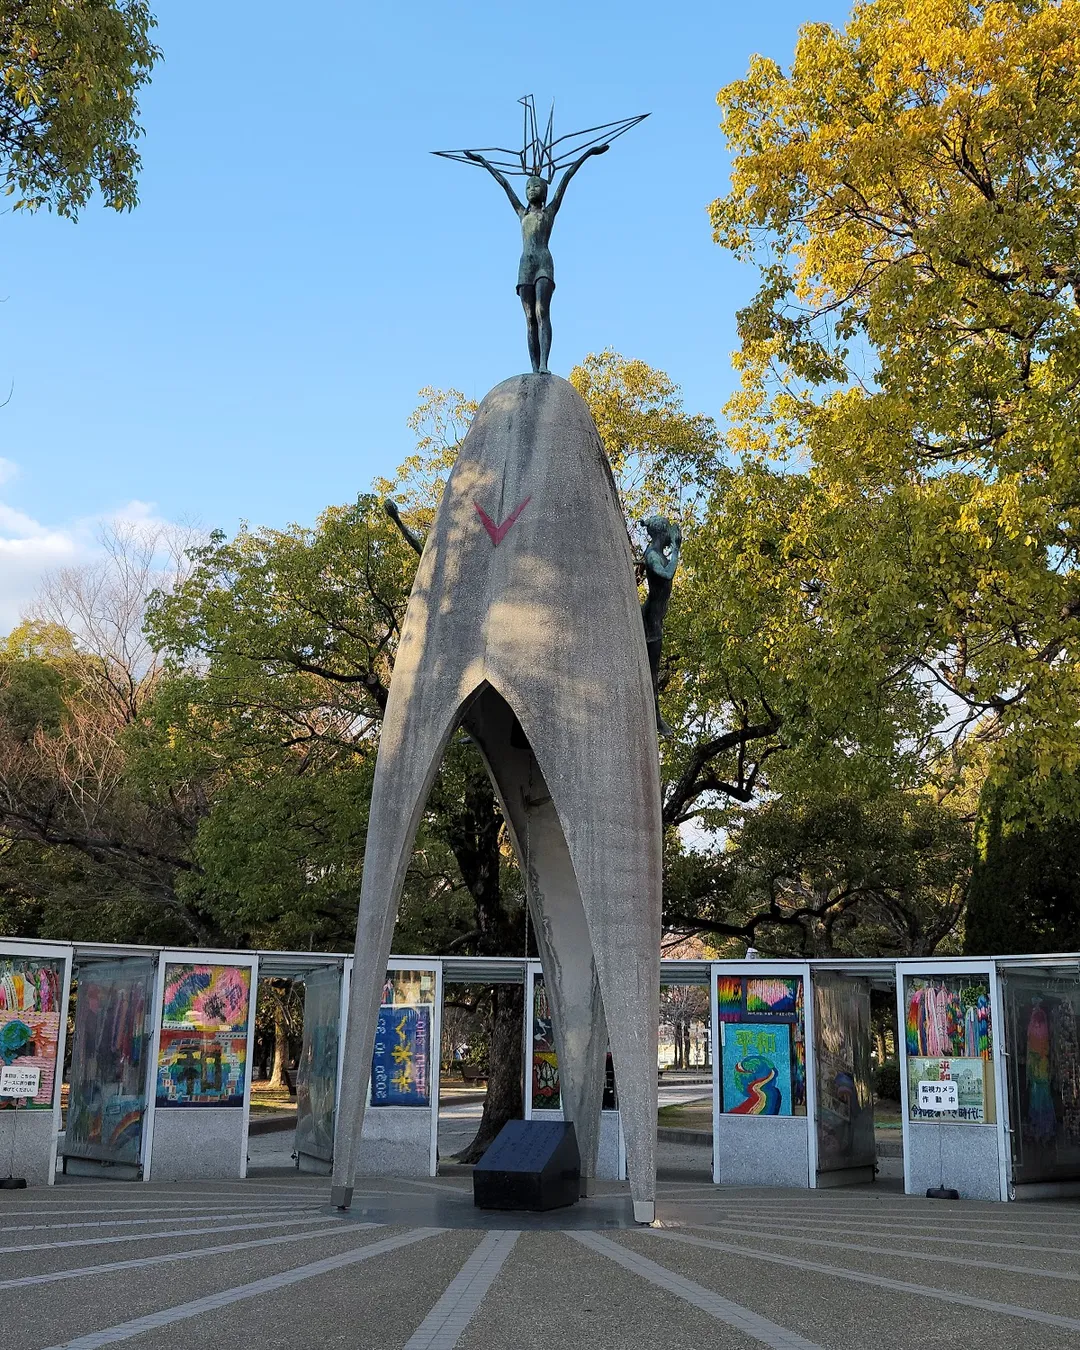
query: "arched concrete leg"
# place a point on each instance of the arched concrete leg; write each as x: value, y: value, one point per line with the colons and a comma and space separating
x: 573, y: 989
x: 562, y: 935
x: 399, y: 794
x: 632, y: 996
x: 606, y: 797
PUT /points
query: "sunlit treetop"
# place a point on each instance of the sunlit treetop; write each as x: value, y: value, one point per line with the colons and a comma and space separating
x: 910, y: 189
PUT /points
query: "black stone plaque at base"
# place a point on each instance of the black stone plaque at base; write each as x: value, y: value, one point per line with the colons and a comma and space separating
x: 534, y: 1164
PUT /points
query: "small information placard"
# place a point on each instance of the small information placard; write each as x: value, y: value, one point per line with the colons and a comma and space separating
x: 940, y: 1095
x: 17, y: 1081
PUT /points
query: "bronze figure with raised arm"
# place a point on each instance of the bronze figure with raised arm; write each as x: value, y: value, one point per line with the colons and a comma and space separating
x: 540, y: 159
x: 660, y: 561
x: 536, y: 271
x: 413, y: 540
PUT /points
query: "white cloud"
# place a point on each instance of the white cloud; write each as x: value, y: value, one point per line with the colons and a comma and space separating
x: 29, y: 548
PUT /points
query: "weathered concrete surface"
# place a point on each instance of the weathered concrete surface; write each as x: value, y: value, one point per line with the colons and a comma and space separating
x: 193, y: 1142
x: 28, y: 1145
x: 749, y: 1155
x: 963, y: 1157
x: 396, y: 1142
x: 558, y: 918
x: 526, y: 588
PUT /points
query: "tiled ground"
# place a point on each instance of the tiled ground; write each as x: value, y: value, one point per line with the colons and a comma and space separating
x: 268, y: 1263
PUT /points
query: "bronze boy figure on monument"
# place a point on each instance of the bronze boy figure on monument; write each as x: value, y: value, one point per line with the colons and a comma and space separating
x: 660, y: 561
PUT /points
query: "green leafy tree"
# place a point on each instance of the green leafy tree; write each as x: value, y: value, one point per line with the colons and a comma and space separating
x: 833, y: 875
x: 909, y: 405
x: 70, y: 75
x: 1024, y: 893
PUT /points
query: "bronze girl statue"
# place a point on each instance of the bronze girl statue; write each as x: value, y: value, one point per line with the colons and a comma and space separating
x: 539, y: 160
x: 536, y: 271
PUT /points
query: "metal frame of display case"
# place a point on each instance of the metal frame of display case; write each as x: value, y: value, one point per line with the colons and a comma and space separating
x: 1057, y: 964
x: 85, y: 956
x: 943, y: 966
x: 199, y: 956
x: 50, y: 951
x: 764, y: 968
x: 434, y: 964
x: 520, y: 970
x: 532, y: 969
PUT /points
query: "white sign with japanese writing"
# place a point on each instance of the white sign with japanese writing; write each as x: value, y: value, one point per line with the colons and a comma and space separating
x: 17, y: 1081
x: 942, y: 1095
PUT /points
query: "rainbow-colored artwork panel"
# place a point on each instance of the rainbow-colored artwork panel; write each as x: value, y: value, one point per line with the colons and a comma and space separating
x: 762, y: 998
x: 206, y: 998
x: 198, y: 1068
x: 756, y: 1070
x: 948, y: 1016
x: 729, y: 998
x: 30, y: 995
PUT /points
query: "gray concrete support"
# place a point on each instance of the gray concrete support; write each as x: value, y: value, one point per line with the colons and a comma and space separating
x: 526, y: 586
x: 558, y: 918
x: 963, y: 1157
x: 195, y: 1142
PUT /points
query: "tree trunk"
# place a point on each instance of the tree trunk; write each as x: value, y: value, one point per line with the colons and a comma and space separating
x: 473, y: 823
x: 281, y: 1046
x: 504, y: 1092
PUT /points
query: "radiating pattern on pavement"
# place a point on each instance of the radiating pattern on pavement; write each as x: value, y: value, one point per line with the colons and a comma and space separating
x: 414, y: 1266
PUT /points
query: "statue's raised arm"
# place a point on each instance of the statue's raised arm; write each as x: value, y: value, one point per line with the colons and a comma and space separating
x: 475, y: 157
x: 539, y: 160
x: 560, y: 191
x: 413, y: 540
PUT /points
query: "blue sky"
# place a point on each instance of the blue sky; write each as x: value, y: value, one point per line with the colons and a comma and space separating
x: 248, y: 343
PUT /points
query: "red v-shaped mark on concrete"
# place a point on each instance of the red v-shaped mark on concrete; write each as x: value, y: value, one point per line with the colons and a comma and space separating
x: 498, y: 532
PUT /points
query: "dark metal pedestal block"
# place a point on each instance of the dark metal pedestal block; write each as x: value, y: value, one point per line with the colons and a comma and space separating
x: 533, y: 1165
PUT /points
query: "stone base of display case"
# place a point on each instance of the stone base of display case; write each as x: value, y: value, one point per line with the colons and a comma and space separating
x: 34, y: 1136
x: 959, y: 1157
x: 396, y: 1142
x: 607, y: 1154
x: 762, y: 1151
x: 197, y: 1142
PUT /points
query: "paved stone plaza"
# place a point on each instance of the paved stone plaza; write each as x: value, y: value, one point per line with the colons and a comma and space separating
x: 268, y: 1263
